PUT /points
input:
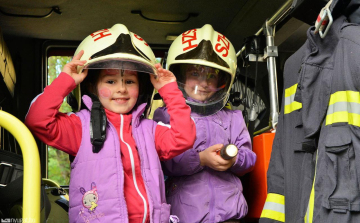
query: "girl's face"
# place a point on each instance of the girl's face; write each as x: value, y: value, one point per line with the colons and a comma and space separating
x: 118, y: 90
x: 201, y: 82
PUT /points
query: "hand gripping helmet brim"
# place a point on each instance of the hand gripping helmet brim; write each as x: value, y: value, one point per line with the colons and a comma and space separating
x: 209, y: 49
x: 117, y: 43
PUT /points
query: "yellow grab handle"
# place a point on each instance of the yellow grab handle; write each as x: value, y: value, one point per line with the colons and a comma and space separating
x: 32, y: 173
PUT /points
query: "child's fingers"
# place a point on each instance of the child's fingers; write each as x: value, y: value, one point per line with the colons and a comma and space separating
x: 85, y: 72
x: 160, y: 71
x: 223, y: 162
x: 74, y: 63
x: 216, y: 147
x: 168, y: 73
x: 78, y: 62
x: 79, y: 55
x: 159, y: 68
x: 152, y: 79
x: 71, y: 67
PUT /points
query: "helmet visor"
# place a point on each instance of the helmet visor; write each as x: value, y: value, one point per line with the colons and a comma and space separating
x: 99, y: 69
x: 204, y: 88
x: 114, y: 65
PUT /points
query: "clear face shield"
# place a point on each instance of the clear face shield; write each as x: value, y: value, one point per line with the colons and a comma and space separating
x: 204, y: 88
x: 116, y: 65
x: 126, y: 68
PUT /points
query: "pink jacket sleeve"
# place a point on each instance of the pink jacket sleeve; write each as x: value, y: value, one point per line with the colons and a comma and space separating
x: 60, y: 130
x: 178, y: 136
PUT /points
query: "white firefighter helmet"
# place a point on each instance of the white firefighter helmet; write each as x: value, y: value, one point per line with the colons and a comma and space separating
x: 112, y: 48
x: 208, y: 56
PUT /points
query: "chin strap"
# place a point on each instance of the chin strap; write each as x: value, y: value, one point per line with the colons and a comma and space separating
x: 98, y: 123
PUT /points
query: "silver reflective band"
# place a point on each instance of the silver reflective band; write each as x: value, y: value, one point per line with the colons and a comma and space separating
x: 274, y: 207
x: 289, y: 99
x: 351, y: 107
x: 290, y: 104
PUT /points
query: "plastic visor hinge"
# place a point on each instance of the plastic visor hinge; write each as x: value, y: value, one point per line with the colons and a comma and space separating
x: 253, y: 113
x: 97, y: 126
x: 6, y: 171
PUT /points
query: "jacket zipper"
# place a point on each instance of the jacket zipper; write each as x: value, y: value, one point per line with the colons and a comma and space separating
x: 132, y: 166
x: 212, y: 197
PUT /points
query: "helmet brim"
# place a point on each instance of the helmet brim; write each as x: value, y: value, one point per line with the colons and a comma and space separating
x: 121, y: 64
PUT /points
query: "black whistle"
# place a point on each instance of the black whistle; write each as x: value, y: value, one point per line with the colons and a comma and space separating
x: 228, y: 151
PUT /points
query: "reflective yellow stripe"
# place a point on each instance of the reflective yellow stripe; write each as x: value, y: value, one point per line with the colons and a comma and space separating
x: 351, y: 118
x: 348, y: 96
x: 276, y: 198
x: 291, y: 90
x: 310, y: 210
x: 311, y: 204
x: 292, y: 107
x: 273, y: 215
x: 274, y: 207
x: 344, y: 106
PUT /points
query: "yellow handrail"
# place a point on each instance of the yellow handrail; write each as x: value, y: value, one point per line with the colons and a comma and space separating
x: 32, y: 173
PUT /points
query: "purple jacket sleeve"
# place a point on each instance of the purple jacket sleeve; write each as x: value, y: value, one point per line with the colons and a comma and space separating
x: 187, y: 163
x: 246, y: 158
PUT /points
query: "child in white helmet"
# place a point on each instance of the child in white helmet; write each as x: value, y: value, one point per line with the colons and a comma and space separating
x: 203, y: 184
x: 116, y: 173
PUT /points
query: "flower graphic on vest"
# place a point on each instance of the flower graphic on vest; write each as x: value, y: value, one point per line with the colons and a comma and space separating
x: 90, y: 198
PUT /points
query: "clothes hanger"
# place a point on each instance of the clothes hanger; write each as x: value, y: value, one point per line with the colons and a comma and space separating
x: 324, y: 20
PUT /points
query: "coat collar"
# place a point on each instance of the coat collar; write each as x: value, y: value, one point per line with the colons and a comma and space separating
x: 136, y: 112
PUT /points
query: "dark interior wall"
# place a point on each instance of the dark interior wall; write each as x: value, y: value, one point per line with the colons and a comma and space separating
x: 27, y: 59
x: 26, y: 56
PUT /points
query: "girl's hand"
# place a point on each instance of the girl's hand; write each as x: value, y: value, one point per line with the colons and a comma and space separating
x: 71, y: 68
x: 164, y: 77
x: 210, y: 158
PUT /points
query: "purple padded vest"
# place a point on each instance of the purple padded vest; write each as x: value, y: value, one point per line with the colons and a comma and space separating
x: 97, y: 179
